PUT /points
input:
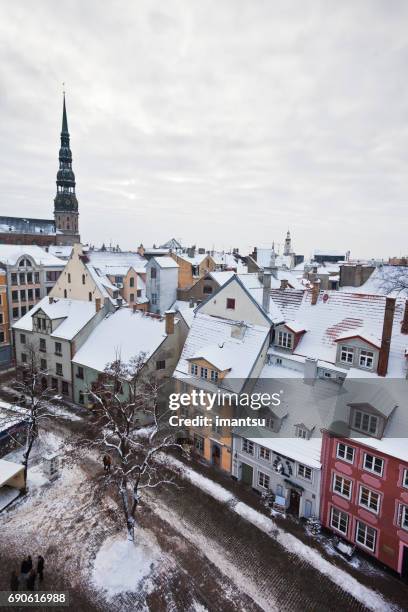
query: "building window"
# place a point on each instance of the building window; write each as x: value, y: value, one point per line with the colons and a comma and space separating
x: 138, y: 292
x: 14, y: 296
x: 22, y: 338
x: 81, y: 397
x: 214, y: 376
x: 373, y: 464
x: 368, y: 423
x: 264, y: 453
x: 270, y: 423
x: 58, y: 348
x: 203, y: 372
x: 65, y: 293
x: 15, y: 313
x: 2, y: 337
x: 154, y: 298
x: 29, y: 278
x: 403, y: 514
x: 230, y: 304
x: 198, y: 443
x: 23, y: 357
x: 285, y: 339
x: 405, y: 478
x: 37, y: 294
x: 347, y: 354
x: 23, y: 310
x: 207, y: 289
x: 303, y: 471
x: 83, y: 279
x: 153, y: 273
x: 132, y: 281
x: 14, y: 278
x: 302, y: 432
x: 36, y: 277
x: 64, y: 387
x: 69, y: 277
x: 263, y: 480
x: 366, y: 536
x: 58, y: 369
x: 43, y: 364
x: 247, y: 446
x: 80, y: 373
x: 345, y: 452
x: 342, y: 486
x: 369, y: 499
x: 161, y: 364
x: 366, y: 359
x: 90, y: 296
x: 43, y: 345
x: 132, y: 297
x: 194, y: 369
x: 54, y: 384
x: 30, y: 295
x: 339, y: 520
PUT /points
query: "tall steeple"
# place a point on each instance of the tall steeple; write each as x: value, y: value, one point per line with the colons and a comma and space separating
x: 65, y: 201
x: 288, y: 245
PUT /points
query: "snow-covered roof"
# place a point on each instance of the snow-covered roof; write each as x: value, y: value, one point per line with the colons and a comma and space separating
x: 263, y: 258
x: 241, y: 354
x: 172, y: 244
x: 75, y: 314
x: 384, y: 280
x: 11, y: 253
x: 185, y: 311
x: 116, y: 263
x: 8, y: 470
x: 165, y: 262
x: 62, y: 251
x: 363, y: 333
x: 195, y: 260
x: 296, y: 326
x: 123, y: 334
x: 217, y: 355
x: 338, y: 315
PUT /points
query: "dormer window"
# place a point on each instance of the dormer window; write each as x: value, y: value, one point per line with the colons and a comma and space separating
x: 366, y: 359
x: 347, y: 354
x: 285, y: 339
x: 194, y: 369
x: 230, y: 304
x: 365, y: 422
x: 203, y: 372
x: 214, y: 376
x: 302, y: 432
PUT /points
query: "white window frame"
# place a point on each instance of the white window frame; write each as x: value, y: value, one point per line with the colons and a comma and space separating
x: 403, y: 517
x: 302, y: 432
x: 366, y: 528
x: 405, y: 478
x: 247, y: 447
x: 337, y: 524
x: 214, y: 375
x: 203, y: 372
x: 372, y: 470
x: 365, y: 422
x: 369, y: 494
x: 194, y: 369
x: 347, y: 447
x: 345, y: 352
x: 302, y: 470
x: 264, y: 451
x: 285, y: 339
x: 364, y: 358
x: 262, y: 478
x: 341, y: 480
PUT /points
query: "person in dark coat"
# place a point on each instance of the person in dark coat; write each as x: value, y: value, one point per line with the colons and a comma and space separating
x: 14, y: 583
x: 29, y: 563
x: 25, y: 567
x: 40, y: 568
x: 105, y: 462
x: 108, y: 463
x: 31, y: 580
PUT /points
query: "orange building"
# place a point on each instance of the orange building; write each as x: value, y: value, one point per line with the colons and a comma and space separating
x: 5, y: 345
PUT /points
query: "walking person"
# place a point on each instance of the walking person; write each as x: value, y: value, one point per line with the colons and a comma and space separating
x: 14, y: 582
x: 29, y: 563
x: 40, y: 568
x: 108, y: 463
x: 105, y: 462
x: 24, y: 572
x: 31, y: 580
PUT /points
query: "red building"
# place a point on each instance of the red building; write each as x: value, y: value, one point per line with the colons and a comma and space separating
x: 364, y: 496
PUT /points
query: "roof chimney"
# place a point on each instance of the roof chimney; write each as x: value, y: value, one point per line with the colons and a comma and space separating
x: 284, y: 283
x: 404, y: 322
x: 170, y: 321
x: 315, y: 292
x: 266, y: 293
x: 97, y: 304
x: 50, y: 300
x: 386, y: 337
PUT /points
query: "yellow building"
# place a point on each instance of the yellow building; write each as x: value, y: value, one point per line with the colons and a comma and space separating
x: 5, y: 344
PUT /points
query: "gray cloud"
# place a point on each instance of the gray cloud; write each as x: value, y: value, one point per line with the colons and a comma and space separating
x: 215, y: 122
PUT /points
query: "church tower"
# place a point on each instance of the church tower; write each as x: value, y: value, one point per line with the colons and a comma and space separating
x: 288, y: 245
x: 65, y: 202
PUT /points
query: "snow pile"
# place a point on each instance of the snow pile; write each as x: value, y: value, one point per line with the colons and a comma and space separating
x: 121, y: 565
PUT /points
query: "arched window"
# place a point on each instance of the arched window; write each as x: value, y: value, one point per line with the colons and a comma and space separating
x: 83, y: 279
x: 90, y: 296
x: 69, y: 277
x: 65, y: 293
x: 132, y: 281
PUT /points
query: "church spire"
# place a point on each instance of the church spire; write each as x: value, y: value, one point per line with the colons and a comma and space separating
x: 65, y: 202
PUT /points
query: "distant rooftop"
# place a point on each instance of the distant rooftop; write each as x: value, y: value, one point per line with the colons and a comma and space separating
x: 27, y: 225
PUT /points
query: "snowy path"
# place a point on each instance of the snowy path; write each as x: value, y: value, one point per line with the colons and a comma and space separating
x: 304, y: 554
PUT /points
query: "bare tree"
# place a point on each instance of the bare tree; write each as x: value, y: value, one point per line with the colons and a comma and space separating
x: 118, y: 398
x: 35, y: 399
x: 393, y: 279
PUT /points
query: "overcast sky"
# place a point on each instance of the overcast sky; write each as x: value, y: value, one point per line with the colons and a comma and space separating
x: 217, y: 122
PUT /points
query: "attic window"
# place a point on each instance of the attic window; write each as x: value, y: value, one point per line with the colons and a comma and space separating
x: 214, y: 376
x: 285, y: 339
x: 366, y: 359
x: 347, y: 354
x: 207, y: 289
x: 230, y: 304
x: 368, y: 423
x: 153, y: 273
x: 302, y: 432
x: 194, y: 369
